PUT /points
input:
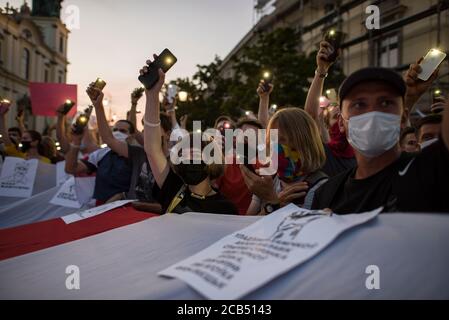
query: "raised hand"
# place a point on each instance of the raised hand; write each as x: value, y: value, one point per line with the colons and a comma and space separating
x: 261, y: 90
x: 95, y: 95
x: 322, y: 57
x: 415, y: 86
x: 154, y: 91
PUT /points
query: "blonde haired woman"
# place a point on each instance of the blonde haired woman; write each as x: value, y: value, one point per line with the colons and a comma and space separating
x: 300, y: 154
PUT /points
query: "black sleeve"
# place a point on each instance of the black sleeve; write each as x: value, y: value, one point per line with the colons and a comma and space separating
x: 232, y: 209
x: 422, y: 183
x: 432, y: 164
x: 170, y: 188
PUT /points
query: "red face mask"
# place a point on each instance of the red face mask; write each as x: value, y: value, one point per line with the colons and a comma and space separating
x: 338, y: 143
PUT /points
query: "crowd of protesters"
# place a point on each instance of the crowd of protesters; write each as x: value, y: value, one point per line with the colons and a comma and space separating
x: 349, y: 154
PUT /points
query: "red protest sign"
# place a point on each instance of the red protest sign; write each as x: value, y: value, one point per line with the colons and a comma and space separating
x: 46, y: 98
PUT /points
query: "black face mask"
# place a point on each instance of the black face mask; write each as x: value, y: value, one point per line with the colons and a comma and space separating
x: 191, y: 174
x: 26, y: 145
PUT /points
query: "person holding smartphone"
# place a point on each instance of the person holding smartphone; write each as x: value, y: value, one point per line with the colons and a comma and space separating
x: 373, y: 103
x: 339, y: 153
x: 231, y: 184
x: 183, y: 187
x: 88, y: 144
x: 300, y: 155
x: 118, y: 167
x: 30, y: 146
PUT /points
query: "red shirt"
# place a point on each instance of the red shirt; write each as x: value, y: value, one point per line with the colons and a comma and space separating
x: 233, y: 187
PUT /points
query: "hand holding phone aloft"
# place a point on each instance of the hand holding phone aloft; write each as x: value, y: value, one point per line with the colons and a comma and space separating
x: 4, y: 105
x: 335, y: 39
x: 267, y: 79
x: 149, y: 75
x: 430, y: 63
x: 416, y: 87
x: 99, y: 85
x: 82, y: 121
x: 66, y: 107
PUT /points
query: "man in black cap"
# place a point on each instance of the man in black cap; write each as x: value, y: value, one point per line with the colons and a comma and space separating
x: 373, y: 103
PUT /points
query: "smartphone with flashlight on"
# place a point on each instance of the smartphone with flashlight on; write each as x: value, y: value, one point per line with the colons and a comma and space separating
x: 68, y: 105
x: 4, y: 105
x: 331, y: 95
x: 335, y: 39
x: 99, y: 84
x: 267, y: 77
x: 172, y: 91
x: 248, y: 157
x: 437, y: 96
x: 164, y: 61
x: 82, y: 121
x: 430, y: 63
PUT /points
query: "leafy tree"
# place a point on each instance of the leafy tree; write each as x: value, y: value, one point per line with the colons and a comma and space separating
x: 211, y: 95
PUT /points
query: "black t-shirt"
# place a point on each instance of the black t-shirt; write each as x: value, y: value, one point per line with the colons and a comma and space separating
x: 142, y: 180
x: 216, y: 203
x: 336, y: 165
x: 413, y: 183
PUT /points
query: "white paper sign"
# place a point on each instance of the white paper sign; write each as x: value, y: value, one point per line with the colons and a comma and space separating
x: 84, y: 187
x: 17, y: 178
x: 66, y: 195
x: 247, y: 259
x: 61, y: 175
x: 94, y: 211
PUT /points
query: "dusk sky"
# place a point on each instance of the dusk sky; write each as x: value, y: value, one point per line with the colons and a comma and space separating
x: 116, y: 37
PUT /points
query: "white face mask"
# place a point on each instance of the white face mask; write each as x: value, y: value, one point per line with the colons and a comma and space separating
x: 374, y: 133
x: 120, y: 136
x: 428, y: 143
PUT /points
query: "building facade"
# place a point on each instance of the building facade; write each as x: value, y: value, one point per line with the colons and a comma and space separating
x: 408, y: 29
x: 33, y: 48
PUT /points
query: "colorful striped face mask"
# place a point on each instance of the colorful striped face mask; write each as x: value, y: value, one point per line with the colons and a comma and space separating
x: 289, y: 164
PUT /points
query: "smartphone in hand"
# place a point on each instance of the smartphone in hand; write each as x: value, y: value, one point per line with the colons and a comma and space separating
x: 82, y: 121
x: 331, y: 95
x: 335, y: 39
x: 4, y: 105
x: 437, y: 96
x: 267, y: 77
x: 99, y: 84
x: 172, y: 91
x: 164, y: 61
x: 430, y: 63
x: 68, y: 105
x: 249, y: 156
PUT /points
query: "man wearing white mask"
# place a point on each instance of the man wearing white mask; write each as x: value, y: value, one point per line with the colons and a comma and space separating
x: 429, y: 129
x: 117, y: 167
x: 373, y: 101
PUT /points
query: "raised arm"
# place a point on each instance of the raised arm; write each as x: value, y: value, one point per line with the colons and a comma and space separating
x: 264, y: 102
x: 171, y: 112
x: 135, y: 96
x: 415, y: 87
x: 20, y: 121
x: 96, y: 96
x: 61, y: 131
x: 72, y: 165
x: 152, y: 132
x: 312, y: 105
x: 4, y: 108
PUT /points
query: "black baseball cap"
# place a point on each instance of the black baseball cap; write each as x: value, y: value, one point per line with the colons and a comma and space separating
x: 388, y: 76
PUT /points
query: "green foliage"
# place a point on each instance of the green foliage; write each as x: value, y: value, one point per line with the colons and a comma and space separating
x: 211, y: 95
